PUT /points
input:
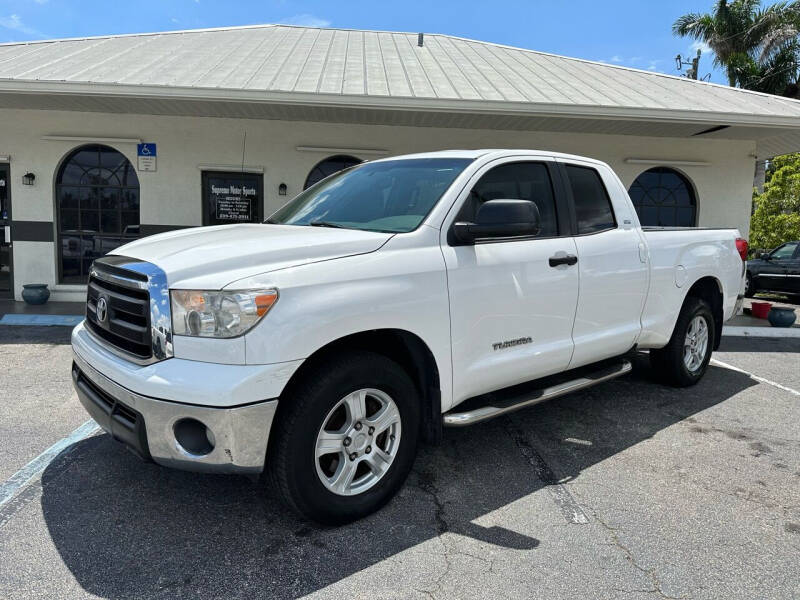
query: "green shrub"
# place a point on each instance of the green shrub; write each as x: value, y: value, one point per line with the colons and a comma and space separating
x: 776, y: 212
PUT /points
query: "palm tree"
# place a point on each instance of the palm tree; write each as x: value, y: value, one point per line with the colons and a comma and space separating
x: 756, y: 46
x: 775, y: 74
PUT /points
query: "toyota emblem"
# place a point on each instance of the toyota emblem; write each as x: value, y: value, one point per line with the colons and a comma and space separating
x: 102, y: 310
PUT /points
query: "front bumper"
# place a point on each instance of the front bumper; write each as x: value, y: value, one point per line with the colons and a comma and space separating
x: 239, y: 434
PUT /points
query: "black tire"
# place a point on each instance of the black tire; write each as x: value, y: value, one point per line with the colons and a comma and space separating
x: 749, y: 288
x: 291, y: 459
x: 668, y: 362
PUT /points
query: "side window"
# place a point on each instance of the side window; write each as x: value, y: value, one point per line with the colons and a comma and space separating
x: 592, y: 204
x: 785, y: 251
x: 516, y: 181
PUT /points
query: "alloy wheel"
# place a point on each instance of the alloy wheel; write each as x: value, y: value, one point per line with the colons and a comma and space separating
x: 357, y: 442
x: 695, y: 344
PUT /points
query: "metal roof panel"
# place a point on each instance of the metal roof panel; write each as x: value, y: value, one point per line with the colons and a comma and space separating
x: 373, y: 66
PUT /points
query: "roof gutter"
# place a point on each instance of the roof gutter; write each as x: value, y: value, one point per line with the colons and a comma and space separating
x: 410, y: 104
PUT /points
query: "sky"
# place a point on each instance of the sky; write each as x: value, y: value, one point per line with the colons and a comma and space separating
x: 625, y: 32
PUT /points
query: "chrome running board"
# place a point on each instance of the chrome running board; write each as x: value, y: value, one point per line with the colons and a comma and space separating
x: 496, y: 408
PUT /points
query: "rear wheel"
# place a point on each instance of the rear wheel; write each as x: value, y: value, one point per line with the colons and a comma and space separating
x: 684, y: 360
x: 348, y: 438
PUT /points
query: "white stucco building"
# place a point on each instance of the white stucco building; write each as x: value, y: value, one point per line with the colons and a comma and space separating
x: 241, y: 118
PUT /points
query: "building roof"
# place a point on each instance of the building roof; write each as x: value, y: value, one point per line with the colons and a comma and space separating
x: 350, y: 69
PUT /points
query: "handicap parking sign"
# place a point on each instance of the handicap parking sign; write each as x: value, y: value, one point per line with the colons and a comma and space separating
x: 147, y: 156
x: 146, y: 149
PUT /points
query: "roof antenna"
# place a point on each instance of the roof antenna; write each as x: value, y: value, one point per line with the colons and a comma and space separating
x: 244, y: 145
x: 420, y: 39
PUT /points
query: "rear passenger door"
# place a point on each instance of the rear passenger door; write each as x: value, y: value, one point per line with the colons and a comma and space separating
x: 612, y: 264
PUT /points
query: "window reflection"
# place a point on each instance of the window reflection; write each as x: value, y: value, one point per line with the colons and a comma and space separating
x: 97, y: 195
x: 329, y: 166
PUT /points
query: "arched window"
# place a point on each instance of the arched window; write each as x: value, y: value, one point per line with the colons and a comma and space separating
x: 664, y: 197
x: 329, y: 166
x: 97, y: 197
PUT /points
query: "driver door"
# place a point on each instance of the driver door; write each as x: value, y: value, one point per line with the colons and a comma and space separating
x: 511, y: 312
x: 6, y: 287
x: 774, y: 274
x: 793, y: 272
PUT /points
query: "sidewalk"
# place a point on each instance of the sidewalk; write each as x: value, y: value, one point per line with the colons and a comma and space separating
x: 745, y: 325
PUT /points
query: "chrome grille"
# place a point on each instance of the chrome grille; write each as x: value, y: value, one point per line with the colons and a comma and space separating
x: 121, y: 304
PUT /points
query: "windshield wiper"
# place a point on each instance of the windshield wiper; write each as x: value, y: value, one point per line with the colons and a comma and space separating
x: 326, y: 224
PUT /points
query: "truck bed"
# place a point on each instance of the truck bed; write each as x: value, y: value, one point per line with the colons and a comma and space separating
x: 679, y: 257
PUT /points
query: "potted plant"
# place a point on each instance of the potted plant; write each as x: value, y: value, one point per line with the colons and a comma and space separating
x: 781, y: 316
x: 35, y: 293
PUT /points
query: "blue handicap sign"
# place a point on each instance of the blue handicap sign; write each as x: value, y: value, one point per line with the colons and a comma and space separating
x: 146, y: 149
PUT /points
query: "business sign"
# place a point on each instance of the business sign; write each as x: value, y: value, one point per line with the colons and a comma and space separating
x: 232, y: 204
x: 232, y: 198
x: 146, y: 155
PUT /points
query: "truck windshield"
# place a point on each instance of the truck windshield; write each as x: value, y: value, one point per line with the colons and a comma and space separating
x: 390, y: 196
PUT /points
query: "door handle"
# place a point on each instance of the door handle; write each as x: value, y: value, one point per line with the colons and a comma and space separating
x: 567, y: 259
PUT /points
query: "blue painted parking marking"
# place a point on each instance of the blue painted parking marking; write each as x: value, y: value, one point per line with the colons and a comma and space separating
x: 42, y: 320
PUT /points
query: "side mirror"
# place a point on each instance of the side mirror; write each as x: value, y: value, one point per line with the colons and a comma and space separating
x: 500, y: 219
x: 764, y: 255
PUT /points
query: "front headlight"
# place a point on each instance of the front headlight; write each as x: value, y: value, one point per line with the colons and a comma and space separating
x: 219, y: 314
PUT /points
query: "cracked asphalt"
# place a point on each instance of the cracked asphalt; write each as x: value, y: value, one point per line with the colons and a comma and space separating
x: 628, y: 490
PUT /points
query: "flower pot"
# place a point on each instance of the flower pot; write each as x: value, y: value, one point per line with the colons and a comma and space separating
x: 760, y: 310
x: 35, y: 293
x: 782, y: 317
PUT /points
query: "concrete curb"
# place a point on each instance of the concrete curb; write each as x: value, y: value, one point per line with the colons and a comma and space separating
x: 764, y: 332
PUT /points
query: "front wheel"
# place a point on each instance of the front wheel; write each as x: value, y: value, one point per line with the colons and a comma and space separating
x: 347, y: 439
x: 749, y: 287
x: 684, y: 360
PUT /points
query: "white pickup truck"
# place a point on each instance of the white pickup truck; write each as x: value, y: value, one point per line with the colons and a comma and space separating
x: 385, y: 302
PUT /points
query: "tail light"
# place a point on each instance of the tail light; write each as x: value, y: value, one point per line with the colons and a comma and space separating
x: 742, y: 247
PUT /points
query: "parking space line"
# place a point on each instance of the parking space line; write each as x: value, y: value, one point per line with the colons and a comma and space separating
x: 719, y: 363
x: 22, y: 478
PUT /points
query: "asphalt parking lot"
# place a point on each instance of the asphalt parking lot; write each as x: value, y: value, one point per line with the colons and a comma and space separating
x: 628, y: 490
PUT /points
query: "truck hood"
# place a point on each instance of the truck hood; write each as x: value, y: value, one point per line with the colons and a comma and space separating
x: 212, y: 257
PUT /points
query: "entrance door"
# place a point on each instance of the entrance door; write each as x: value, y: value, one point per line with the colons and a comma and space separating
x: 6, y: 283
x: 230, y: 198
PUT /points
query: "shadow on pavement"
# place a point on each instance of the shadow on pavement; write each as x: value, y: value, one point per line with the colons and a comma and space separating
x: 126, y: 529
x: 19, y: 334
x: 757, y: 344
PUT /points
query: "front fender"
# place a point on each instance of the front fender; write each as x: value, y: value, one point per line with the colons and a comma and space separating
x: 403, y: 289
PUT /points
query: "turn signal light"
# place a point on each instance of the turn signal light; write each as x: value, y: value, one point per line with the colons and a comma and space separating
x: 264, y: 302
x: 742, y: 246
